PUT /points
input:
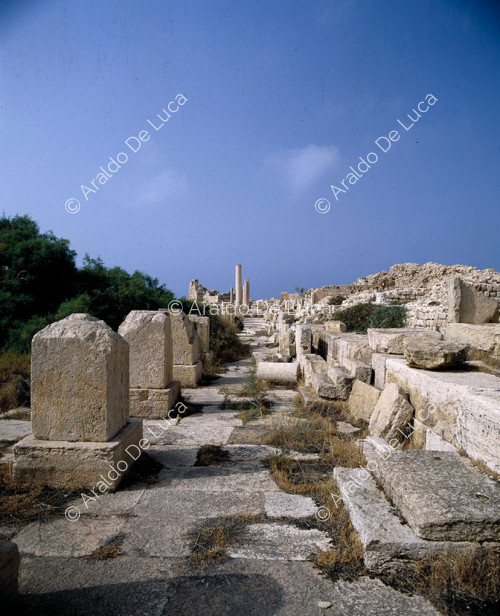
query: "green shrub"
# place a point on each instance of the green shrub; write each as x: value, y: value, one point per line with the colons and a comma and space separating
x: 388, y: 316
x: 356, y: 318
x: 360, y: 317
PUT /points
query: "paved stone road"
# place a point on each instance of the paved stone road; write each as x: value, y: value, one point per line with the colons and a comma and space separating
x: 154, y: 526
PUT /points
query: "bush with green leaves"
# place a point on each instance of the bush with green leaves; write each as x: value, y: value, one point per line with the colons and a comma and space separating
x: 360, y: 317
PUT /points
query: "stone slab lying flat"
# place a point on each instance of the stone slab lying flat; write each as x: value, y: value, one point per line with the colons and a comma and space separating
x: 157, y: 537
x: 203, y: 396
x: 279, y: 542
x: 13, y: 430
x: 388, y: 544
x: 279, y: 505
x: 62, y: 537
x: 226, y: 477
x: 187, y: 434
x: 461, y: 407
x: 441, y: 495
x: 198, y: 503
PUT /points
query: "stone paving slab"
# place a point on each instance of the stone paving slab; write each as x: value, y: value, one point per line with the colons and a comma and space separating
x: 250, y: 453
x: 173, y: 456
x: 157, y: 537
x: 13, y: 430
x: 279, y: 504
x: 279, y: 542
x: 198, y: 503
x: 203, y: 395
x: 156, y: 586
x: 122, y: 501
x: 194, y: 434
x: 226, y: 478
x: 61, y: 537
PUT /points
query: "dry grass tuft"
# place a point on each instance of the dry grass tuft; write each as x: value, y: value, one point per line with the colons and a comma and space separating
x: 211, y: 454
x: 210, y: 544
x: 29, y: 503
x: 14, y: 380
x: 106, y: 552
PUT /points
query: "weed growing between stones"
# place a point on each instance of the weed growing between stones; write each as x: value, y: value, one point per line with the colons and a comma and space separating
x: 211, y: 454
x: 457, y: 583
x: 25, y: 504
x: 212, y: 542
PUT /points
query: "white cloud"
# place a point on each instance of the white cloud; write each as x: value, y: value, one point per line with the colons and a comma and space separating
x: 167, y: 185
x: 299, y: 168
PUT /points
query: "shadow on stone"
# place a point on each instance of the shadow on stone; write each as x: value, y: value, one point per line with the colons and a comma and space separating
x: 207, y: 595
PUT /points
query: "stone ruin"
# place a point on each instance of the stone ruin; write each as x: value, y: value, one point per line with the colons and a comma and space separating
x: 436, y: 386
x: 236, y: 301
x: 80, y: 406
x: 187, y: 367
x: 153, y: 390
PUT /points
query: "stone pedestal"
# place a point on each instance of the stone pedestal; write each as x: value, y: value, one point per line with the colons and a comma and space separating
x: 71, y: 465
x: 80, y: 407
x: 153, y: 403
x: 187, y: 367
x: 188, y: 375
x: 153, y: 392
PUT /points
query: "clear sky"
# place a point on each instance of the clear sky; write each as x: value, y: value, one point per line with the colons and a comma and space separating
x: 282, y: 98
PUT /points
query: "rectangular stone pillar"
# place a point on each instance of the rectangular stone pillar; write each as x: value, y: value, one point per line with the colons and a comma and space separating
x: 187, y: 367
x: 153, y: 391
x: 80, y: 406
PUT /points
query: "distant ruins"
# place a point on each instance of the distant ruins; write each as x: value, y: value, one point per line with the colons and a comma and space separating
x: 236, y: 297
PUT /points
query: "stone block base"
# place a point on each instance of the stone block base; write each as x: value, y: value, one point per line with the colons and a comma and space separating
x: 189, y: 376
x: 63, y: 464
x: 153, y: 403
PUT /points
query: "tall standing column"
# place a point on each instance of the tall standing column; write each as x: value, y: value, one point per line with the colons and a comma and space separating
x: 231, y: 295
x: 246, y: 292
x: 239, y: 290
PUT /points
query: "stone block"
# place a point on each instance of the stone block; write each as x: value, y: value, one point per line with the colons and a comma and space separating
x: 188, y: 376
x: 441, y: 495
x: 69, y: 465
x: 9, y: 570
x: 153, y: 403
x: 433, y: 442
x: 357, y: 369
x: 392, y: 414
x: 274, y: 372
x: 354, y: 346
x: 202, y: 325
x: 335, y: 327
x: 303, y: 340
x: 482, y: 341
x: 79, y: 381
x: 378, y: 366
x: 149, y: 335
x: 341, y: 382
x: 312, y: 364
x: 185, y: 340
x: 324, y: 387
x: 362, y: 400
x: 392, y: 340
x: 462, y: 407
x: 389, y: 545
x: 420, y: 352
x: 466, y: 305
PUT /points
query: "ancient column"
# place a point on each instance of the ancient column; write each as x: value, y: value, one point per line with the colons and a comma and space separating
x: 246, y: 292
x: 239, y: 290
x: 231, y: 295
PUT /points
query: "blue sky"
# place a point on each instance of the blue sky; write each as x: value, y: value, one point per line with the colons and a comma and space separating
x: 282, y: 98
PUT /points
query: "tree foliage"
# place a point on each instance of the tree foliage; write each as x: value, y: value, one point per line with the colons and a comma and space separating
x: 40, y: 283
